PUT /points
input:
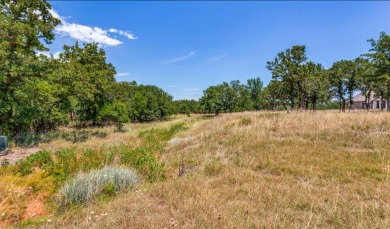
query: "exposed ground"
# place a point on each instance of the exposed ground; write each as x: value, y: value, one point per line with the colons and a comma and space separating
x: 15, y: 154
x: 255, y: 170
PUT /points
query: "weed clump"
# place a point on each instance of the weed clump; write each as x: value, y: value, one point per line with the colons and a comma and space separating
x: 86, y: 187
x: 213, y: 168
x: 245, y: 122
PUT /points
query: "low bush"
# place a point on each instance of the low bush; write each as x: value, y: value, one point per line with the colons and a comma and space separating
x: 86, y: 187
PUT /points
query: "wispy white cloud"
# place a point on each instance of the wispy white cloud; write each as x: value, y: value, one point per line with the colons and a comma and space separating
x: 216, y: 58
x: 179, y: 58
x: 55, y: 14
x: 123, y: 33
x: 122, y: 74
x: 89, y: 34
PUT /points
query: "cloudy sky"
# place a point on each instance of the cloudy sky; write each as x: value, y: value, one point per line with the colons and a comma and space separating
x: 184, y: 47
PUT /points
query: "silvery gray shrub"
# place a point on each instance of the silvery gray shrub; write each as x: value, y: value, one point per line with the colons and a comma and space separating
x: 86, y: 186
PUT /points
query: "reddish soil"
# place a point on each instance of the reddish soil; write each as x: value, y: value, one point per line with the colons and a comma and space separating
x: 35, y: 208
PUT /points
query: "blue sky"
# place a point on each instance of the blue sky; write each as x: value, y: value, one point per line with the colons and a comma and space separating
x: 185, y: 47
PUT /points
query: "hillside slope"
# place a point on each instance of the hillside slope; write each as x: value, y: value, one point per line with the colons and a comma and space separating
x: 323, y: 169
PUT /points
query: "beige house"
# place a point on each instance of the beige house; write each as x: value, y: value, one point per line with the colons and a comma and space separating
x: 359, y: 102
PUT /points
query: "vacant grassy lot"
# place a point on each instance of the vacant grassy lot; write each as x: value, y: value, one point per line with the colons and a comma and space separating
x: 256, y: 170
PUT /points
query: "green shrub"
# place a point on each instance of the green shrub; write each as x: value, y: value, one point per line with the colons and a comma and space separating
x: 144, y: 162
x: 66, y: 164
x: 23, y: 167
x: 86, y: 187
x: 5, y: 163
x: 42, y: 159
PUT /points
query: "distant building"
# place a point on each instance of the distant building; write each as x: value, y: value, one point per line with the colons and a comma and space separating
x: 375, y: 103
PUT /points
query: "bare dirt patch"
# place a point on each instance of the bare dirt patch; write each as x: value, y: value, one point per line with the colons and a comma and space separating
x: 35, y: 208
x: 13, y: 155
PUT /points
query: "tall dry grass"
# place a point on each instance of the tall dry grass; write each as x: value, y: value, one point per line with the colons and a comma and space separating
x: 263, y: 170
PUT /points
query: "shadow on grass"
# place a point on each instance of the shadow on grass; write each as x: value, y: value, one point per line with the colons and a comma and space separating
x: 33, y: 139
x: 207, y: 116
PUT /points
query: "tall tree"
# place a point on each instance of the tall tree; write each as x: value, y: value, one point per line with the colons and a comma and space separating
x: 287, y: 68
x: 211, y: 100
x: 149, y: 103
x: 24, y: 26
x: 380, y: 58
x: 344, y: 77
x: 316, y: 85
x: 87, y: 79
x: 255, y: 86
x: 367, y: 84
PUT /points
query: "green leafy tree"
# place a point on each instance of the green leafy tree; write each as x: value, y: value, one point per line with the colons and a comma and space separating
x: 87, y: 80
x: 338, y: 76
x: 315, y: 85
x: 274, y: 95
x: 367, y: 84
x: 116, y: 112
x: 24, y: 26
x: 149, y: 103
x: 380, y: 58
x: 287, y: 67
x: 255, y: 87
x: 211, y: 100
x: 345, y: 77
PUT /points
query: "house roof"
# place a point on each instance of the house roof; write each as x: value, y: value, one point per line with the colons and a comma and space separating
x: 361, y: 98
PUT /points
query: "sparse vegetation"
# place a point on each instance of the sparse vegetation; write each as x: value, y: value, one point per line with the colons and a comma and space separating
x: 294, y: 169
x: 43, y: 174
x: 320, y: 169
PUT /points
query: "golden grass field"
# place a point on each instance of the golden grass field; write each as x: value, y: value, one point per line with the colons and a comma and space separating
x: 320, y: 169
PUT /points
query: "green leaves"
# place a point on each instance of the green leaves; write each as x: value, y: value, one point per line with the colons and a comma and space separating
x: 149, y: 103
x: 116, y: 112
x: 22, y: 25
x: 232, y: 97
x: 295, y: 80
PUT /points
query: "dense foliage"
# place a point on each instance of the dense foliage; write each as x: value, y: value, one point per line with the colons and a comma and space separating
x: 40, y: 93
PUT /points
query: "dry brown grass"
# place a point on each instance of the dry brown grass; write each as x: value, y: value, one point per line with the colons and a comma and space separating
x: 264, y: 169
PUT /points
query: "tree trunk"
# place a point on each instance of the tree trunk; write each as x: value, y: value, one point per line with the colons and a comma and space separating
x: 367, y: 100
x: 350, y: 105
x: 382, y: 104
x: 340, y: 105
x: 344, y: 103
x: 314, y: 101
x: 306, y: 104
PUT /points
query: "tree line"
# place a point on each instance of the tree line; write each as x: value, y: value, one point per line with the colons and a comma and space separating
x: 40, y: 93
x: 300, y: 84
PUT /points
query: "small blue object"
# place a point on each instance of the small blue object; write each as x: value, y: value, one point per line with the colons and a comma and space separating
x: 3, y: 143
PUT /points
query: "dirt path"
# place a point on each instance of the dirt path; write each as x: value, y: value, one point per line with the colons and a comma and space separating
x: 13, y: 155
